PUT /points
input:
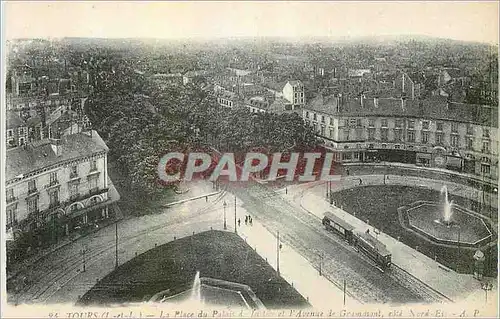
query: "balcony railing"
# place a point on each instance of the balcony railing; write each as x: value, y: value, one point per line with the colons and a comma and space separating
x: 52, y: 184
x: 11, y: 199
x: 73, y: 175
x: 32, y: 191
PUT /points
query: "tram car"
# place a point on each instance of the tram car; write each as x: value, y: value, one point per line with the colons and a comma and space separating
x: 374, y: 249
x: 338, y: 226
x: 364, y: 242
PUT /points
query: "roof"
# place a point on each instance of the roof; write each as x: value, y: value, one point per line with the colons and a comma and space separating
x: 14, y: 120
x: 381, y: 249
x: 454, y: 73
x: 339, y: 221
x: 196, y: 73
x: 295, y: 82
x: 437, y: 108
x: 23, y: 160
x: 276, y: 86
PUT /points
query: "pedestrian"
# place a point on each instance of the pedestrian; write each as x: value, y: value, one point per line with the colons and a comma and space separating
x: 251, y: 220
x: 206, y: 198
x: 246, y: 220
x: 239, y: 221
x: 360, y: 181
x: 347, y: 171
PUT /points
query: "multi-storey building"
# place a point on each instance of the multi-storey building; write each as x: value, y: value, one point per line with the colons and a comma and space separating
x: 56, y: 186
x: 293, y: 92
x: 433, y: 132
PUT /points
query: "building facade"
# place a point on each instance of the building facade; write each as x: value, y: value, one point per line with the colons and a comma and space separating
x: 433, y: 133
x: 57, y: 186
x: 293, y: 92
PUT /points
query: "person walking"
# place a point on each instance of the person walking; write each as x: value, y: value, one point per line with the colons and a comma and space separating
x: 246, y: 220
x: 347, y: 171
x: 239, y: 221
x: 250, y: 219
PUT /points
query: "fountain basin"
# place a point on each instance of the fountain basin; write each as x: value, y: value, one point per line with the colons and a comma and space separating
x: 465, y: 227
x: 211, y: 293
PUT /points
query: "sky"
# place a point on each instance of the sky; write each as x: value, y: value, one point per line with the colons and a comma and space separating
x: 460, y: 20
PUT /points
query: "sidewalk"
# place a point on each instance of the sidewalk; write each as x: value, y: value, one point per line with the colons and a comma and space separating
x: 453, y: 285
x: 428, y: 169
x: 294, y: 268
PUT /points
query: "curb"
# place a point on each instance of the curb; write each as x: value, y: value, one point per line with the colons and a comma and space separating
x: 190, y: 199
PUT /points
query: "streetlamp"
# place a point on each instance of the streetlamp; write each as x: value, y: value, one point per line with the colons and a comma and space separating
x: 225, y: 204
x: 84, y: 251
x: 486, y: 287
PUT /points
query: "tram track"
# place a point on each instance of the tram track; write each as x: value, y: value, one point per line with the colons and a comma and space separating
x: 65, y: 269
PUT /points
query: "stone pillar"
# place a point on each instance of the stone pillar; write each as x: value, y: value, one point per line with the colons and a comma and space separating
x: 66, y: 229
x: 103, y: 212
x: 106, y: 213
x: 85, y: 218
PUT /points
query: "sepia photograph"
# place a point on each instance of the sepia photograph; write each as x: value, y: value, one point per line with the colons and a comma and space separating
x: 249, y: 159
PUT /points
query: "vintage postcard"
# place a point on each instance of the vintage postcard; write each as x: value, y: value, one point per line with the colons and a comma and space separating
x: 216, y: 159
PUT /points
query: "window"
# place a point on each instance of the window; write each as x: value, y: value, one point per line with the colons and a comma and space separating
x: 398, y: 135
x: 424, y: 149
x: 331, y: 132
x: 322, y: 133
x: 470, y: 129
x: 398, y: 123
x: 439, y: 138
x: 358, y: 122
x: 322, y: 119
x: 31, y: 186
x: 11, y: 216
x: 307, y: 114
x: 9, y: 194
x: 397, y: 146
x: 439, y: 126
x: 33, y: 205
x: 425, y: 125
x: 346, y: 122
x: 93, y: 165
x: 74, y: 171
x: 411, y: 136
x: 384, y: 134
x: 486, y: 132
x: 73, y: 190
x: 53, y: 178
x: 9, y: 133
x: 384, y: 145
x: 454, y: 127
x: 371, y: 122
x: 411, y: 124
x: 54, y: 198
x: 371, y: 133
x: 358, y: 146
x: 486, y: 146
x: 346, y: 156
x: 346, y: 134
x: 93, y: 183
x: 454, y: 140
x: 384, y: 122
x: 469, y: 143
x: 485, y: 168
x: 425, y: 137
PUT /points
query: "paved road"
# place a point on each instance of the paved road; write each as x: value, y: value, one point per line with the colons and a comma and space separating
x: 306, y: 234
x: 59, y: 277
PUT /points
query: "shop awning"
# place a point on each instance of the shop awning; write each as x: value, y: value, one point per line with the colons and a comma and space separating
x: 424, y: 155
x: 454, y: 161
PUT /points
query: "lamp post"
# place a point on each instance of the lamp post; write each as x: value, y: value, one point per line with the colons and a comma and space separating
x: 278, y: 247
x: 235, y: 228
x: 486, y: 287
x: 458, y: 247
x: 224, y: 205
x: 84, y: 251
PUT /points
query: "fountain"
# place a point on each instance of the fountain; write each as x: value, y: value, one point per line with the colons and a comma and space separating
x: 445, y: 222
x: 447, y: 205
x: 196, y: 290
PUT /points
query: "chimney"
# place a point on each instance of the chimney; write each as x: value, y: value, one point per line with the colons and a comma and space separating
x: 362, y: 99
x: 375, y: 101
x: 56, y: 147
x: 337, y: 98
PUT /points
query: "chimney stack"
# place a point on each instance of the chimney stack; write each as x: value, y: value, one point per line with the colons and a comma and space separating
x: 337, y: 98
x: 361, y: 99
